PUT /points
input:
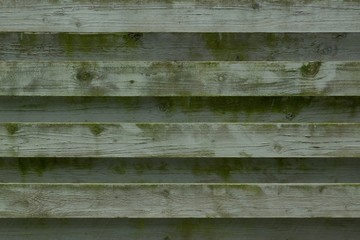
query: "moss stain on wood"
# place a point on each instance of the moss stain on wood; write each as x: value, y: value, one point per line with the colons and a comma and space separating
x: 310, y: 69
x: 96, y: 129
x: 12, y: 128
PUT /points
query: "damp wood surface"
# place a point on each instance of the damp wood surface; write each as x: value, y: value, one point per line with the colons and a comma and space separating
x: 173, y: 78
x: 180, y: 140
x: 179, y: 170
x: 180, y: 229
x: 180, y: 119
x: 180, y: 109
x: 179, y: 16
x: 179, y: 200
x: 180, y: 46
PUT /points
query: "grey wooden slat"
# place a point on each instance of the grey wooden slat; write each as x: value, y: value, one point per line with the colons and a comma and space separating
x: 180, y: 16
x: 179, y: 229
x: 179, y: 200
x: 180, y: 109
x: 179, y: 170
x: 130, y: 78
x: 179, y: 140
x: 181, y: 46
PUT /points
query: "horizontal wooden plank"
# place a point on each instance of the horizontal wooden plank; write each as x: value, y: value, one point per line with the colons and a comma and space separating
x: 179, y: 200
x: 179, y: 170
x: 180, y: 109
x: 166, y: 229
x: 179, y: 16
x: 179, y: 140
x: 181, y: 46
x: 179, y: 78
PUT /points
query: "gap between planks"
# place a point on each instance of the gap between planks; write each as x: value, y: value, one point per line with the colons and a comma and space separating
x: 179, y: 170
x: 190, y: 229
x: 180, y: 109
x: 180, y: 46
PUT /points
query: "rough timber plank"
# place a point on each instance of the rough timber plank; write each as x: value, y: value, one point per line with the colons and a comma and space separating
x: 181, y: 46
x: 180, y: 109
x: 180, y: 229
x: 179, y: 170
x: 179, y: 200
x: 179, y: 78
x: 180, y: 16
x: 179, y: 140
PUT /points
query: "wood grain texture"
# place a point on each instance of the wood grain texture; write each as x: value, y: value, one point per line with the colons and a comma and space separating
x: 180, y: 229
x: 179, y: 78
x: 181, y: 46
x: 180, y: 16
x: 180, y: 109
x: 179, y: 140
x: 179, y: 170
x: 179, y: 200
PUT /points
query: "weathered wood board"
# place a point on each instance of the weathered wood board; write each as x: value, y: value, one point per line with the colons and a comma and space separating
x: 180, y: 229
x: 179, y: 200
x: 179, y: 140
x: 178, y: 111
x: 120, y: 78
x: 179, y: 170
x: 179, y: 16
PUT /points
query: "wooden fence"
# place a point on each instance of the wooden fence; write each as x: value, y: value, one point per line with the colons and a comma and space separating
x: 179, y: 119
